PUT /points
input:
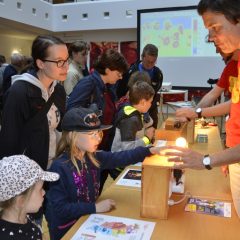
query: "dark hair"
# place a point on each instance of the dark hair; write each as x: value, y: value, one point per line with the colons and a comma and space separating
x: 151, y: 50
x: 2, y: 60
x: 229, y: 8
x: 139, y: 76
x: 77, y: 46
x: 140, y: 90
x: 40, y: 47
x: 28, y: 63
x: 111, y: 59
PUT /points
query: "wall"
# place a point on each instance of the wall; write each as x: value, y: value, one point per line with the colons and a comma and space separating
x: 100, y: 35
x: 118, y: 13
x: 8, y: 44
x: 32, y: 12
x: 118, y: 27
x: 66, y: 20
x: 70, y: 16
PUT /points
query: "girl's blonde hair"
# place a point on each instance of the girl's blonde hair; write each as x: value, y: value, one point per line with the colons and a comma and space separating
x: 9, y: 203
x: 68, y: 144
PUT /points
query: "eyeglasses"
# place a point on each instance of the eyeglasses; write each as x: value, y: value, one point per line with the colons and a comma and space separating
x: 94, y: 134
x: 60, y: 63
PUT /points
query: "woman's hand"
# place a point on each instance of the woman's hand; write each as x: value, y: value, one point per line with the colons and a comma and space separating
x: 182, y: 157
x: 105, y: 205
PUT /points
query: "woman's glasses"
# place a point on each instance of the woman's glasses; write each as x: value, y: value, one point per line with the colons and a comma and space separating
x: 60, y: 63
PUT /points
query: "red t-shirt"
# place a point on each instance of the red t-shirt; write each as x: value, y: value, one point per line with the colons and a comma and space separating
x: 229, y: 75
x: 233, y: 123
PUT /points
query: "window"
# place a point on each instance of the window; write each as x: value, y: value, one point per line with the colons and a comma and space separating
x: 84, y: 16
x: 106, y: 14
x: 64, y: 17
x: 129, y: 13
x: 19, y: 5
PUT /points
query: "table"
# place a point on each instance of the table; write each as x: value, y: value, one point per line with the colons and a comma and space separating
x: 182, y: 225
x: 179, y: 104
x: 185, y: 92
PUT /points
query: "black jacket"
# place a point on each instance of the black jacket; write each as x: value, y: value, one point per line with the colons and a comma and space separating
x: 9, y: 71
x: 156, y: 80
x: 23, y: 102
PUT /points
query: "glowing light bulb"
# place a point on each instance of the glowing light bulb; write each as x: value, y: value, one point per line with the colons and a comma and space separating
x: 15, y: 51
x: 181, y: 142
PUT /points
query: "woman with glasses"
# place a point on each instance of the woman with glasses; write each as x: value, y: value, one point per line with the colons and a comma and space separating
x: 97, y: 88
x: 79, y: 165
x: 30, y: 116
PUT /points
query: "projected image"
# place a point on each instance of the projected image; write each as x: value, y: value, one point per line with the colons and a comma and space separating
x: 184, y: 56
x: 176, y: 36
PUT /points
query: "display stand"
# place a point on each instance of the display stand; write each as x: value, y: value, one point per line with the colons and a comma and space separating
x: 156, y: 178
x: 156, y: 171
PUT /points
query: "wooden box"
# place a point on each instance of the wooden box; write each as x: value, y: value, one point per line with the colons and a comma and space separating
x: 156, y: 172
x: 170, y: 133
x: 156, y: 176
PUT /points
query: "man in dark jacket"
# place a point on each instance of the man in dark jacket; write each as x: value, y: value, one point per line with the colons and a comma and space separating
x: 17, y: 63
x: 149, y: 58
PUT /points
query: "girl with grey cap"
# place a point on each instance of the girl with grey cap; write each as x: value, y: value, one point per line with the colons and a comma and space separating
x: 21, y: 192
x: 79, y: 165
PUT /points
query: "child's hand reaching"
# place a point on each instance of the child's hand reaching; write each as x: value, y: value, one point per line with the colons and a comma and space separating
x: 105, y: 205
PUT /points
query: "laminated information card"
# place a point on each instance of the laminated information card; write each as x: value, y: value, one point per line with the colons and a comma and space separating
x: 210, y: 207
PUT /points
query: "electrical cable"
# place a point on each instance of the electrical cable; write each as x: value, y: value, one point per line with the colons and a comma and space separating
x: 171, y: 202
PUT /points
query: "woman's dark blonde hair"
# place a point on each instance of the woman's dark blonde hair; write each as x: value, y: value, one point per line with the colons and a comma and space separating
x: 67, y: 144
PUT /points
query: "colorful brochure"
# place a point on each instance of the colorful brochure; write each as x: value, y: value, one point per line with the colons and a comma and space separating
x: 102, y: 227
